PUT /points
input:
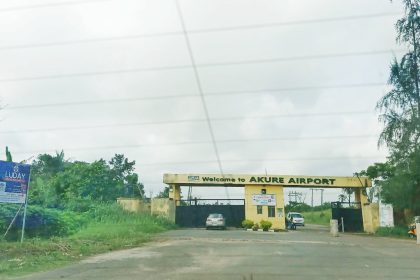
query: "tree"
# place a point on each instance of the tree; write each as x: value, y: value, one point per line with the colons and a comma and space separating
x: 49, y: 165
x: 342, y: 197
x: 122, y: 171
x: 164, y: 193
x: 8, y: 155
x: 121, y: 167
x: 57, y: 182
x: 133, y: 187
x: 400, y: 115
x: 348, y: 192
x: 43, y: 169
x: 400, y: 107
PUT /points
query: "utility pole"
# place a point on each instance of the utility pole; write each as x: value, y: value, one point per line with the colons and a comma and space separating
x: 312, y: 198
x: 295, y: 197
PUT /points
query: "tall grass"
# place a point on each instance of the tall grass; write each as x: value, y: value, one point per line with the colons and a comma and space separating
x: 108, y: 228
x: 318, y: 217
x: 397, y: 231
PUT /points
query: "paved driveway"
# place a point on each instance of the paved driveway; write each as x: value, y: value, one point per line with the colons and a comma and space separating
x: 308, y: 253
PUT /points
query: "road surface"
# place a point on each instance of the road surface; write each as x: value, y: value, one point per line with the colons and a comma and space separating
x: 308, y: 253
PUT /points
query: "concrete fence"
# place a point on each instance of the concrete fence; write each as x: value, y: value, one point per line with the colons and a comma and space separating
x: 134, y: 205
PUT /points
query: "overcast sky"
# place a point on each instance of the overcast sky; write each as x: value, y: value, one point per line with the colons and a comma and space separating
x: 290, y: 86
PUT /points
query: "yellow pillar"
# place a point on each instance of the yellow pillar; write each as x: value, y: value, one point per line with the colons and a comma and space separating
x: 368, y: 224
x: 357, y: 195
x: 175, y: 193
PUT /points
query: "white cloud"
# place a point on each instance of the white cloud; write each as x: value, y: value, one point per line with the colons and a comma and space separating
x: 127, y: 18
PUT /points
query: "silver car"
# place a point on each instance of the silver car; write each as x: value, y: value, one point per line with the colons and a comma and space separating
x: 215, y: 220
x: 296, y: 218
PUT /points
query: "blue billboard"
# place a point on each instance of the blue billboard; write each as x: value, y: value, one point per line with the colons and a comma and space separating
x: 14, y: 181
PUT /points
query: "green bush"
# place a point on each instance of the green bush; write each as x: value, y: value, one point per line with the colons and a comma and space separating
x: 247, y: 224
x: 46, y: 222
x: 40, y: 221
x: 397, y: 231
x: 255, y: 227
x: 265, y: 225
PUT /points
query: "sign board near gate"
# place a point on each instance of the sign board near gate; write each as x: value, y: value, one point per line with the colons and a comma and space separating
x: 386, y: 215
x: 14, y: 180
x: 264, y: 199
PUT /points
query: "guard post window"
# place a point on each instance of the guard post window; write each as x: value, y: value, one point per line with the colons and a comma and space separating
x: 259, y: 209
x: 271, y: 211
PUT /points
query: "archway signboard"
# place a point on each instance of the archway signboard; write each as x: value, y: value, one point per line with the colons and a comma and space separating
x: 264, y: 197
x: 280, y: 180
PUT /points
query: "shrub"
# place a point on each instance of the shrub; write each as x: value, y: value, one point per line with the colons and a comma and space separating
x: 397, y: 231
x: 40, y: 221
x: 266, y: 225
x: 247, y: 224
x: 255, y: 227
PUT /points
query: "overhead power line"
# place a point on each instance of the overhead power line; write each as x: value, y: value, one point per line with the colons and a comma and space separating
x: 194, y: 31
x: 47, y: 5
x: 199, y: 86
x: 176, y: 96
x: 136, y: 146
x: 203, y: 65
x: 164, y: 122
x: 205, y: 142
x: 264, y: 160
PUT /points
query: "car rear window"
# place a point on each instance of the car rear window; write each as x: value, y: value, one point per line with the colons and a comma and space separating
x: 215, y: 216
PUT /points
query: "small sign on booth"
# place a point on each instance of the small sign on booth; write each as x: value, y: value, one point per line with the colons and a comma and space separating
x: 264, y: 199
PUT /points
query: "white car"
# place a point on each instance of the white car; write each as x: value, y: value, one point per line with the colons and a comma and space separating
x: 295, y: 218
x: 215, y: 221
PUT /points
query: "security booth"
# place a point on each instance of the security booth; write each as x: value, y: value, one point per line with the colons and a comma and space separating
x: 264, y: 195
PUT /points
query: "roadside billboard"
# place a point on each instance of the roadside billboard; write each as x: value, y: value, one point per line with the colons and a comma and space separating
x: 14, y: 181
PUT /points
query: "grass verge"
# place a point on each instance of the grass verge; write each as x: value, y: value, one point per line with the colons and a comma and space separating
x: 109, y: 231
x: 397, y: 231
x: 318, y: 217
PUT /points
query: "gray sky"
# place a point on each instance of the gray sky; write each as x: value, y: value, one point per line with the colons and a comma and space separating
x: 291, y: 86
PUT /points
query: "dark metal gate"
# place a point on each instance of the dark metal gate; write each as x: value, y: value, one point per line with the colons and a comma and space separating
x: 193, y: 213
x: 349, y: 213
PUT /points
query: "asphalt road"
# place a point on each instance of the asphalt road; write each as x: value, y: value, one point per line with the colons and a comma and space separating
x: 308, y: 253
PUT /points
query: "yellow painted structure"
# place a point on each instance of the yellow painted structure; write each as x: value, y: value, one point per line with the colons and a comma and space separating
x: 264, y: 196
x: 175, y: 192
x: 251, y: 209
x: 134, y: 205
x: 370, y: 211
x: 163, y: 207
x: 240, y: 180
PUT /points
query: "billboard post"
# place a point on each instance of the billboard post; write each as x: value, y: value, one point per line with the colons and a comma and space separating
x: 24, y: 210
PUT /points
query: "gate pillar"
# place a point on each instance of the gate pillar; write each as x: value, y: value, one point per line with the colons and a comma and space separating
x: 175, y: 193
x: 369, y: 215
